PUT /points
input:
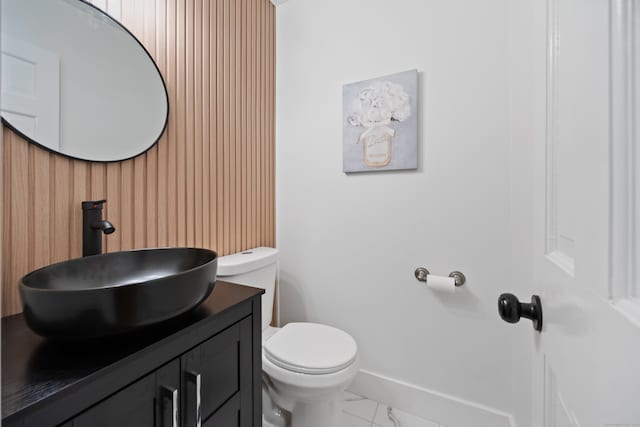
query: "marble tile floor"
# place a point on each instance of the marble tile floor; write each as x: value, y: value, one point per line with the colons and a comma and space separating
x: 358, y: 411
x: 362, y: 412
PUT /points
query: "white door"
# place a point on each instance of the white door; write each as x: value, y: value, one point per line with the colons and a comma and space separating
x: 587, y: 357
x: 30, y: 90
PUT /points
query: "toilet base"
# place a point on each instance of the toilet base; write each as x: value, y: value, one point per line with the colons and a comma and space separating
x: 272, y: 415
x: 310, y: 400
x: 317, y: 414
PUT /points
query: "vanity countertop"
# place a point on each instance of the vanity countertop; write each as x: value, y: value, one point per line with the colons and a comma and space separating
x: 38, y: 373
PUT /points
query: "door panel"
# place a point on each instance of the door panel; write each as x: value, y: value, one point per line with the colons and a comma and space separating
x: 556, y: 413
x: 30, y: 90
x: 227, y: 416
x: 131, y: 407
x: 587, y: 358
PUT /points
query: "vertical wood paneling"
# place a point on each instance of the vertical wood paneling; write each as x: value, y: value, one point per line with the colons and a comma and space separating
x: 181, y: 104
x: 172, y: 128
x: 253, y: 53
x: 150, y: 221
x: 260, y: 171
x: 135, y: 20
x: 260, y: 118
x: 126, y: 201
x: 197, y: 116
x: 80, y: 192
x: 112, y: 208
x: 206, y: 124
x: 7, y: 268
x: 237, y: 97
x: 18, y: 212
x: 220, y: 107
x: 226, y: 67
x: 232, y: 125
x: 213, y: 119
x: 271, y: 110
x: 62, y: 209
x: 162, y: 59
x: 243, y: 129
x: 208, y: 182
x: 40, y: 195
x: 189, y: 127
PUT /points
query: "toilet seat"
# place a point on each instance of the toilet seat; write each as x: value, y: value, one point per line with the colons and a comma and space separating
x: 311, y: 348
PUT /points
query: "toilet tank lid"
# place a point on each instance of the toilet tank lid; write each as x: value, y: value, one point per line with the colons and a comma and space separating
x: 246, y: 261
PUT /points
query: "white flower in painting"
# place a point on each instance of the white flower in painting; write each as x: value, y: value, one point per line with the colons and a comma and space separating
x: 380, y: 103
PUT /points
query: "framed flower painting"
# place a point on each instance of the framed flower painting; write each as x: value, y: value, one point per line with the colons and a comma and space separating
x: 380, y: 123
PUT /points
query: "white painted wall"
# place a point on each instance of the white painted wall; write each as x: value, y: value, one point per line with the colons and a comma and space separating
x: 349, y: 243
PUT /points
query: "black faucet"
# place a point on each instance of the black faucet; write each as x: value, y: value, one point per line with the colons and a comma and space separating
x: 93, y: 226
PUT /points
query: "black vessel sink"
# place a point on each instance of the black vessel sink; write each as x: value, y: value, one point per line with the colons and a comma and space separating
x: 117, y: 292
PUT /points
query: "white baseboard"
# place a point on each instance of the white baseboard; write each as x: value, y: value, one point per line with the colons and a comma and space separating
x: 428, y: 404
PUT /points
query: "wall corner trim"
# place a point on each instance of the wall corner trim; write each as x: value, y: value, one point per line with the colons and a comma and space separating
x: 428, y: 404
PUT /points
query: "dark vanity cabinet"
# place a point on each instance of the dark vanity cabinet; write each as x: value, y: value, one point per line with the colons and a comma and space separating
x: 221, y: 369
x: 139, y: 404
x: 203, y: 368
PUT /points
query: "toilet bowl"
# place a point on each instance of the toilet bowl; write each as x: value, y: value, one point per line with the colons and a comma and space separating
x: 306, y: 366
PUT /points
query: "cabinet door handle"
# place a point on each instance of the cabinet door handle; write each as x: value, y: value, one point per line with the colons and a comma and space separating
x: 170, y: 394
x: 195, y: 379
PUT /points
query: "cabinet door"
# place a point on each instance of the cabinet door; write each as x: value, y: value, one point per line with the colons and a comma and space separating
x: 227, y: 416
x: 167, y: 406
x: 217, y: 372
x: 154, y: 397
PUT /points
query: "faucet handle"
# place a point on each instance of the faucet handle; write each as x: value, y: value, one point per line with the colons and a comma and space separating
x: 93, y: 204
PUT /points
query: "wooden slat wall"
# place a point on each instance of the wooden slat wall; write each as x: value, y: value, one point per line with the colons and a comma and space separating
x: 209, y: 182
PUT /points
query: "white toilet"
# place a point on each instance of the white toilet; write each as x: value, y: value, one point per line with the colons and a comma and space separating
x: 307, y: 365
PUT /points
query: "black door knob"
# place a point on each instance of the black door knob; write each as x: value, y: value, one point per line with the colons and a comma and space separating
x: 511, y: 310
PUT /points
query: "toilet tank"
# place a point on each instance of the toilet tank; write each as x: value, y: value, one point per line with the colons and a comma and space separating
x: 254, y: 267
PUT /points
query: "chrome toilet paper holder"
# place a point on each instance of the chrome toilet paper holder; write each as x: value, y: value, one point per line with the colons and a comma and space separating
x: 421, y: 274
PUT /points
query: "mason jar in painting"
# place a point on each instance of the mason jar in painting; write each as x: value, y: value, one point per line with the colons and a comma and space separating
x: 376, y: 147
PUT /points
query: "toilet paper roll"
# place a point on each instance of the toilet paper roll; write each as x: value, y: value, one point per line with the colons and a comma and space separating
x: 441, y: 284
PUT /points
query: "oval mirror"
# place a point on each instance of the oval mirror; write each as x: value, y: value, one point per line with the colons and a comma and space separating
x: 76, y: 82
